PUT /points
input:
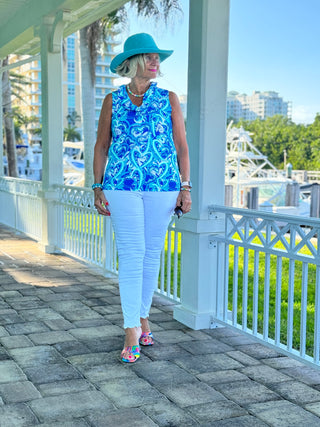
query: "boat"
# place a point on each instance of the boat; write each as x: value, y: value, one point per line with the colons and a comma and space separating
x: 247, y: 168
x: 29, y: 162
x: 73, y: 163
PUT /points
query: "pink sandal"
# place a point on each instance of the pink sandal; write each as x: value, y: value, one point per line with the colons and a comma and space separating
x: 130, y: 354
x: 146, y: 339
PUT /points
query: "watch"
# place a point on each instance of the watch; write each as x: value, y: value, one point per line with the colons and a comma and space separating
x: 186, y: 183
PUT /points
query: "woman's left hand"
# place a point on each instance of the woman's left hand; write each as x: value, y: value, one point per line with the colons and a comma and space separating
x: 184, y: 201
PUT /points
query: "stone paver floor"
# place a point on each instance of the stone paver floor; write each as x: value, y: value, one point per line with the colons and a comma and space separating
x: 60, y: 339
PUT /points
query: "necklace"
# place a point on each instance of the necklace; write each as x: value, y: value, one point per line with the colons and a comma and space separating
x: 134, y: 94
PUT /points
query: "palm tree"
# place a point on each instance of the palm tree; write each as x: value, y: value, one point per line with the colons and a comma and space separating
x: 22, y: 121
x: 70, y: 133
x: 73, y: 118
x: 12, y: 85
x: 8, y: 122
x: 91, y: 39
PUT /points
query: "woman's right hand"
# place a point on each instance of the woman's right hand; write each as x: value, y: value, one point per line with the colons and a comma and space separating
x: 100, y: 202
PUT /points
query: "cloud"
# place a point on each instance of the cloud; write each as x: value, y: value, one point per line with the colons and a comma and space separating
x: 304, y: 114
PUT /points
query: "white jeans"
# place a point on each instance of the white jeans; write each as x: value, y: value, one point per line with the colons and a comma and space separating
x: 140, y: 220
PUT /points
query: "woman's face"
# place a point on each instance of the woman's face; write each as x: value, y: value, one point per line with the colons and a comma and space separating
x: 152, y: 64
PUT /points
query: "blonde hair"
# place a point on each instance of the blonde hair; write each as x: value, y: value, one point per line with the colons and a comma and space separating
x: 129, y: 67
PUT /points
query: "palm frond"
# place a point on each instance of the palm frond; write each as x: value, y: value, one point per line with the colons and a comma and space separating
x: 162, y: 9
x: 16, y: 95
x: 146, y: 8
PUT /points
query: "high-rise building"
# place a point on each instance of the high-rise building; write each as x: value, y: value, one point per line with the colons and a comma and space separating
x: 104, y: 78
x: 27, y: 94
x: 104, y: 83
x: 258, y: 105
x: 71, y: 80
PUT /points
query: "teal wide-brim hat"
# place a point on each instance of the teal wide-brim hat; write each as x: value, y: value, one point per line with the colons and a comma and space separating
x: 138, y: 43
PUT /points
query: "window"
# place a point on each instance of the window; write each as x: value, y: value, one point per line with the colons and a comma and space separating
x: 70, y: 42
x: 71, y: 90
x: 70, y: 54
x: 71, y: 101
x: 71, y: 77
x: 98, y: 69
x: 71, y: 67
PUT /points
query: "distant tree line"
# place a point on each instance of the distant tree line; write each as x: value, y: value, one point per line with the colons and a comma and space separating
x: 277, y: 134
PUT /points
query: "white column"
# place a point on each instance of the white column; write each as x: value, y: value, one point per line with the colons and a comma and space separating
x: 52, y: 130
x: 206, y: 133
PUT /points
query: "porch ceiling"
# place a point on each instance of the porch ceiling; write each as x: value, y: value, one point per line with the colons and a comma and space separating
x: 20, y: 20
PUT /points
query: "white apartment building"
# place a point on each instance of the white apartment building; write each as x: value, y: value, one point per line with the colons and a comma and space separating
x: 104, y: 77
x: 104, y: 82
x: 258, y: 105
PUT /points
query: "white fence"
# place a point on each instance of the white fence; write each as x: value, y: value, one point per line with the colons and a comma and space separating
x: 89, y: 236
x: 86, y: 234
x: 270, y: 280
x: 21, y: 206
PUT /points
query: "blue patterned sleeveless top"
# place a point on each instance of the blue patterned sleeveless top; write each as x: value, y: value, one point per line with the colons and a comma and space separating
x: 142, y: 155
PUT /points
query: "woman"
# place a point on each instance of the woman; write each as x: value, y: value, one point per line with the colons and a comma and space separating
x: 141, y: 133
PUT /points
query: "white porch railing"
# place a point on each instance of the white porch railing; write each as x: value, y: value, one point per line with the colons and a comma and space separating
x: 89, y: 236
x: 21, y: 206
x: 268, y: 266
x: 86, y: 234
x: 270, y: 279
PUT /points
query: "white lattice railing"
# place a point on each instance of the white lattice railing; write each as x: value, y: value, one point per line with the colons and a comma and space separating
x: 85, y: 234
x: 268, y: 266
x: 89, y: 236
x: 270, y: 281
x: 21, y: 206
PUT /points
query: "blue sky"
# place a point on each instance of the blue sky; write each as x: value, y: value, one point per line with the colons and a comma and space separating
x: 273, y: 45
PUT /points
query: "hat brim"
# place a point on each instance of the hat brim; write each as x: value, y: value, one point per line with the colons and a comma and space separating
x: 117, y: 60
